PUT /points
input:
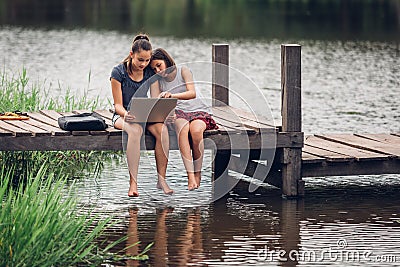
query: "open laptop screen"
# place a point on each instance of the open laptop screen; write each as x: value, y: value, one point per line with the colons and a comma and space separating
x: 152, y: 109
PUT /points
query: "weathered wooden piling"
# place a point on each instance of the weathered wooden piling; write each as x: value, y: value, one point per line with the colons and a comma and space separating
x: 220, y: 75
x: 220, y: 97
x: 292, y: 184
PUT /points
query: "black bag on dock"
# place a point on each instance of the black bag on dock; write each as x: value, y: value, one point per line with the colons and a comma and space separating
x: 82, y: 122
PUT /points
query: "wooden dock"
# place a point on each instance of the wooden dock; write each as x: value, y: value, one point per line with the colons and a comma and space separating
x: 242, y: 143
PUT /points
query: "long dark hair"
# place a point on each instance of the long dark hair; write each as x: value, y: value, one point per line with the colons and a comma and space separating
x: 140, y: 42
x: 161, y: 54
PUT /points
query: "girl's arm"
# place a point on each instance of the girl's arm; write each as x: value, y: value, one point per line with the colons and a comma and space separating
x: 155, y: 89
x: 190, y: 90
x: 117, y: 96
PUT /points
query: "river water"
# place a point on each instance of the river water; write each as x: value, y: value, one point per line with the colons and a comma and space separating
x: 347, y: 86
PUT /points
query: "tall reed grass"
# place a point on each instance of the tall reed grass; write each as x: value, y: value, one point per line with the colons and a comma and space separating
x: 19, y: 93
x: 40, y: 223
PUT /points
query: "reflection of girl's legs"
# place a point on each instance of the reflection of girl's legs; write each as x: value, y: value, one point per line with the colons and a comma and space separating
x: 160, y: 239
x: 182, y: 128
x: 161, y: 150
x: 197, y: 238
x: 197, y: 128
x: 134, y: 132
x: 133, y: 238
x: 191, y: 245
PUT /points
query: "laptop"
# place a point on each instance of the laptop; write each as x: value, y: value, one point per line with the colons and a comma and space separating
x: 152, y: 109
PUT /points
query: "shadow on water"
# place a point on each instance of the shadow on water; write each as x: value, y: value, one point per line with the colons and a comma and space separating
x: 262, y: 229
x: 311, y: 19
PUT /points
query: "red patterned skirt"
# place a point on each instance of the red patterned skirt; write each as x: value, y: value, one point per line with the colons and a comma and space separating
x: 197, y: 115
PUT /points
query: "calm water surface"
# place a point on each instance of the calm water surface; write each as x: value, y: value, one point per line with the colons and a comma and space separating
x: 348, y: 86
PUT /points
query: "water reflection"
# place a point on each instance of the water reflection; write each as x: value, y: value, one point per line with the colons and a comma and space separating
x: 262, y: 229
x: 310, y: 19
x: 179, y: 246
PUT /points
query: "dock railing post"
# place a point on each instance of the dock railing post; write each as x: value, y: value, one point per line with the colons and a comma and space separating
x: 220, y: 74
x: 220, y: 97
x: 292, y: 184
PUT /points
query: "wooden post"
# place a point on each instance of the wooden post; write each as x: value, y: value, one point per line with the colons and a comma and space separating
x: 220, y: 97
x: 220, y: 74
x: 292, y: 184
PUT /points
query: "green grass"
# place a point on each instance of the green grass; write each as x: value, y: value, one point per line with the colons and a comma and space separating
x: 73, y: 164
x: 17, y: 93
x: 40, y: 225
x: 40, y: 222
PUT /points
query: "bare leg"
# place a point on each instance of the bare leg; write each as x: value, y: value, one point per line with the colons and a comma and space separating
x: 134, y: 132
x: 182, y: 128
x: 160, y: 132
x: 197, y: 128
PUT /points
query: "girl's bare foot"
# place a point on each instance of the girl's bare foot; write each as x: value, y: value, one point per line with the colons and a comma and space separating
x: 192, y: 184
x: 133, y: 192
x: 197, y: 177
x: 162, y: 184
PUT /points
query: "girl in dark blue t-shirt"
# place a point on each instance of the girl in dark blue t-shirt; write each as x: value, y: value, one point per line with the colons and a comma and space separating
x: 128, y: 79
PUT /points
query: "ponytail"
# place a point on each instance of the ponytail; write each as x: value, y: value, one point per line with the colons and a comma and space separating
x: 140, y: 42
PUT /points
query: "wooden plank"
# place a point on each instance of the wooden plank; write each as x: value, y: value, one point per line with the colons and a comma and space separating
x: 384, y: 138
x: 221, y: 122
x: 105, y: 114
x: 68, y: 113
x: 210, y: 132
x: 310, y: 158
x: 251, y: 119
x: 30, y: 128
x: 60, y: 143
x: 51, y: 129
x: 51, y: 114
x: 5, y: 132
x: 356, y: 153
x: 49, y: 121
x: 363, y: 143
x: 232, y: 118
x: 232, y: 141
x: 16, y: 131
x: 327, y: 154
x: 372, y: 167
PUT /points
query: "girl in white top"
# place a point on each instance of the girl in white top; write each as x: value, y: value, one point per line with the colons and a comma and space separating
x: 192, y: 114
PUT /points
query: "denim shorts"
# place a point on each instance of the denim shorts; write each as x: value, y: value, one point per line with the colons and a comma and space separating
x: 116, y: 117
